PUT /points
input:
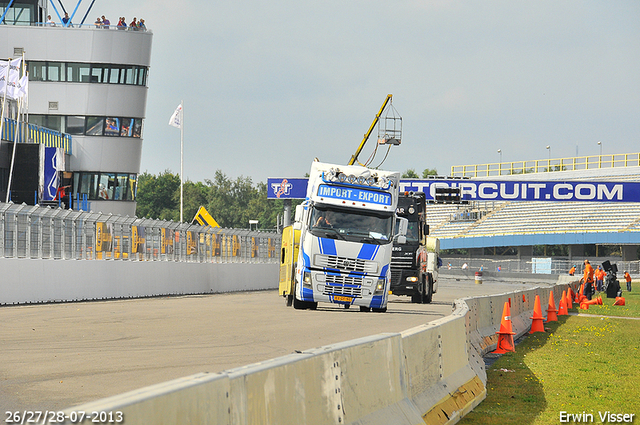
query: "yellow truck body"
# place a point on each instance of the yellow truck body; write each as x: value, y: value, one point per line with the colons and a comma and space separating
x: 288, y: 258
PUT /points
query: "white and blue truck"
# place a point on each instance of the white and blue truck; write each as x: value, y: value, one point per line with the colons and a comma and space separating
x: 339, y: 248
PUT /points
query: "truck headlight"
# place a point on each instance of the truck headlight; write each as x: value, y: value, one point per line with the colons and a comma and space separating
x: 379, y: 287
x: 412, y: 279
x: 306, y: 279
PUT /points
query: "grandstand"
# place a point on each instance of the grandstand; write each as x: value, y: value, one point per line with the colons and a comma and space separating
x: 523, y: 225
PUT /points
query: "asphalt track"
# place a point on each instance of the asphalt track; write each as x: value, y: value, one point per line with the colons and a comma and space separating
x: 55, y: 356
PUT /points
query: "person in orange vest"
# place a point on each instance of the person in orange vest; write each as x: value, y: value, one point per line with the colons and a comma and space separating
x: 587, y: 279
x: 599, y: 275
x: 572, y: 271
x: 627, y: 277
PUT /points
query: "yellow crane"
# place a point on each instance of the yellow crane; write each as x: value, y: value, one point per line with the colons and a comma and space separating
x: 390, y: 134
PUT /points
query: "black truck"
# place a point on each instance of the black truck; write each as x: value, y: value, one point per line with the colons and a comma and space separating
x: 414, y: 264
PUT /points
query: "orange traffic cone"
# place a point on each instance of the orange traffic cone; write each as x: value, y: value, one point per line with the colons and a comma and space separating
x: 536, y: 324
x: 576, y: 298
x: 584, y: 306
x: 505, y: 339
x: 599, y: 300
x: 619, y: 301
x: 562, y: 308
x: 591, y: 302
x: 569, y: 299
x: 551, y: 310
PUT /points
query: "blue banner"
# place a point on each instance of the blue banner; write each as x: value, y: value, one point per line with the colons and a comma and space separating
x: 283, y: 188
x: 510, y: 190
x: 51, y: 167
x: 492, y: 190
x: 354, y: 194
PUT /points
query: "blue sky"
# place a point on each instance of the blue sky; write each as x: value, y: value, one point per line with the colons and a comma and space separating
x: 268, y: 86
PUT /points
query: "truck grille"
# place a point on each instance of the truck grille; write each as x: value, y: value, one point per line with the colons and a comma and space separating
x: 401, y: 262
x: 343, y: 280
x: 342, y: 290
x: 397, y: 265
x: 345, y: 263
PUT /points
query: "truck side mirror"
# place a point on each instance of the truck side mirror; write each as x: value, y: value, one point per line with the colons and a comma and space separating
x: 299, y: 212
x: 403, y: 224
x: 425, y: 229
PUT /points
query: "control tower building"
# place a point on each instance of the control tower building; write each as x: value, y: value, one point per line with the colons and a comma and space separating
x: 89, y: 82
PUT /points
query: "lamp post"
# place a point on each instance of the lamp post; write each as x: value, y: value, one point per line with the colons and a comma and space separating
x: 600, y: 144
x: 549, y: 149
x: 500, y: 163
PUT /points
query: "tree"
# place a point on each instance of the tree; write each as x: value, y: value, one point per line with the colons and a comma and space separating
x: 156, y: 196
x: 232, y: 203
x: 429, y: 172
x: 410, y: 174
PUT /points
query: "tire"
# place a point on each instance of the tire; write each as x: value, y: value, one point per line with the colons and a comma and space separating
x: 347, y: 306
x: 428, y: 296
x: 365, y: 309
x: 299, y: 305
x: 289, y: 300
x: 380, y: 310
x: 312, y: 305
x: 416, y: 298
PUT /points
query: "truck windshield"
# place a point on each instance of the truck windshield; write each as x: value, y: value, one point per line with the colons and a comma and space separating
x: 351, y: 224
x: 413, y: 232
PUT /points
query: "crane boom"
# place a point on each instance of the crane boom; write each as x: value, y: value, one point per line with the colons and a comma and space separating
x: 354, y: 157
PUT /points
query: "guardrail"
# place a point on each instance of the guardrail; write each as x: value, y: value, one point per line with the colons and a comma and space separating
x: 547, y: 165
x: 433, y: 373
x: 37, y: 232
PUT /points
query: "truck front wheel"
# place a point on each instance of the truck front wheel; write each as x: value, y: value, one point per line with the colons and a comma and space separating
x: 428, y: 289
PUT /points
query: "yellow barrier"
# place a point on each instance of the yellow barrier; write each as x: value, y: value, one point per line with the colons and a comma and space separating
x: 547, y: 165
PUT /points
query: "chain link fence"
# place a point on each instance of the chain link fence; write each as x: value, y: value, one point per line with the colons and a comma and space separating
x: 28, y: 231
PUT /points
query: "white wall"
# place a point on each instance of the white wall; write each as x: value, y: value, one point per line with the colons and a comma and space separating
x: 35, y: 280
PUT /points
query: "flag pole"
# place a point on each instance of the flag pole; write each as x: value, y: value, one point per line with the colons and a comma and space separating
x: 16, y: 129
x: 181, y: 157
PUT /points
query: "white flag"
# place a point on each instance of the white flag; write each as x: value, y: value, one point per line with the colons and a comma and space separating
x: 176, y: 118
x: 9, y: 76
x: 22, y: 89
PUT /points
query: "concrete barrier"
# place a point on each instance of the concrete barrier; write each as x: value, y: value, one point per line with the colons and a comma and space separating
x: 35, y: 280
x: 433, y: 373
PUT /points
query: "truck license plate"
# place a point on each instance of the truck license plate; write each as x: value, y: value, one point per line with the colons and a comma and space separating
x: 341, y: 298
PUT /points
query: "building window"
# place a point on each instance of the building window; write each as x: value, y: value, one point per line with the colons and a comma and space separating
x: 37, y: 71
x: 75, y: 72
x: 112, y: 126
x: 105, y: 186
x: 94, y: 126
x: 75, y: 125
x: 90, y: 126
x: 55, y: 71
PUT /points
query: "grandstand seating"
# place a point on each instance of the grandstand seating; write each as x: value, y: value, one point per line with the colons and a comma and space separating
x: 543, y: 217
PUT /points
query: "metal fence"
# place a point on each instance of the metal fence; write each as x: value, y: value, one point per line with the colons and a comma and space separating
x: 557, y: 265
x: 28, y: 231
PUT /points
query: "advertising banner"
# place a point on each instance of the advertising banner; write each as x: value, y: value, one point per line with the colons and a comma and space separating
x: 284, y: 188
x: 510, y: 190
x: 493, y: 190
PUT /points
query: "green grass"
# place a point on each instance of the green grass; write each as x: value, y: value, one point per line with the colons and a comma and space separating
x: 581, y: 364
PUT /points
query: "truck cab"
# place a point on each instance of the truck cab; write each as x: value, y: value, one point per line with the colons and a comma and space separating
x: 415, y: 263
x: 346, y: 232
